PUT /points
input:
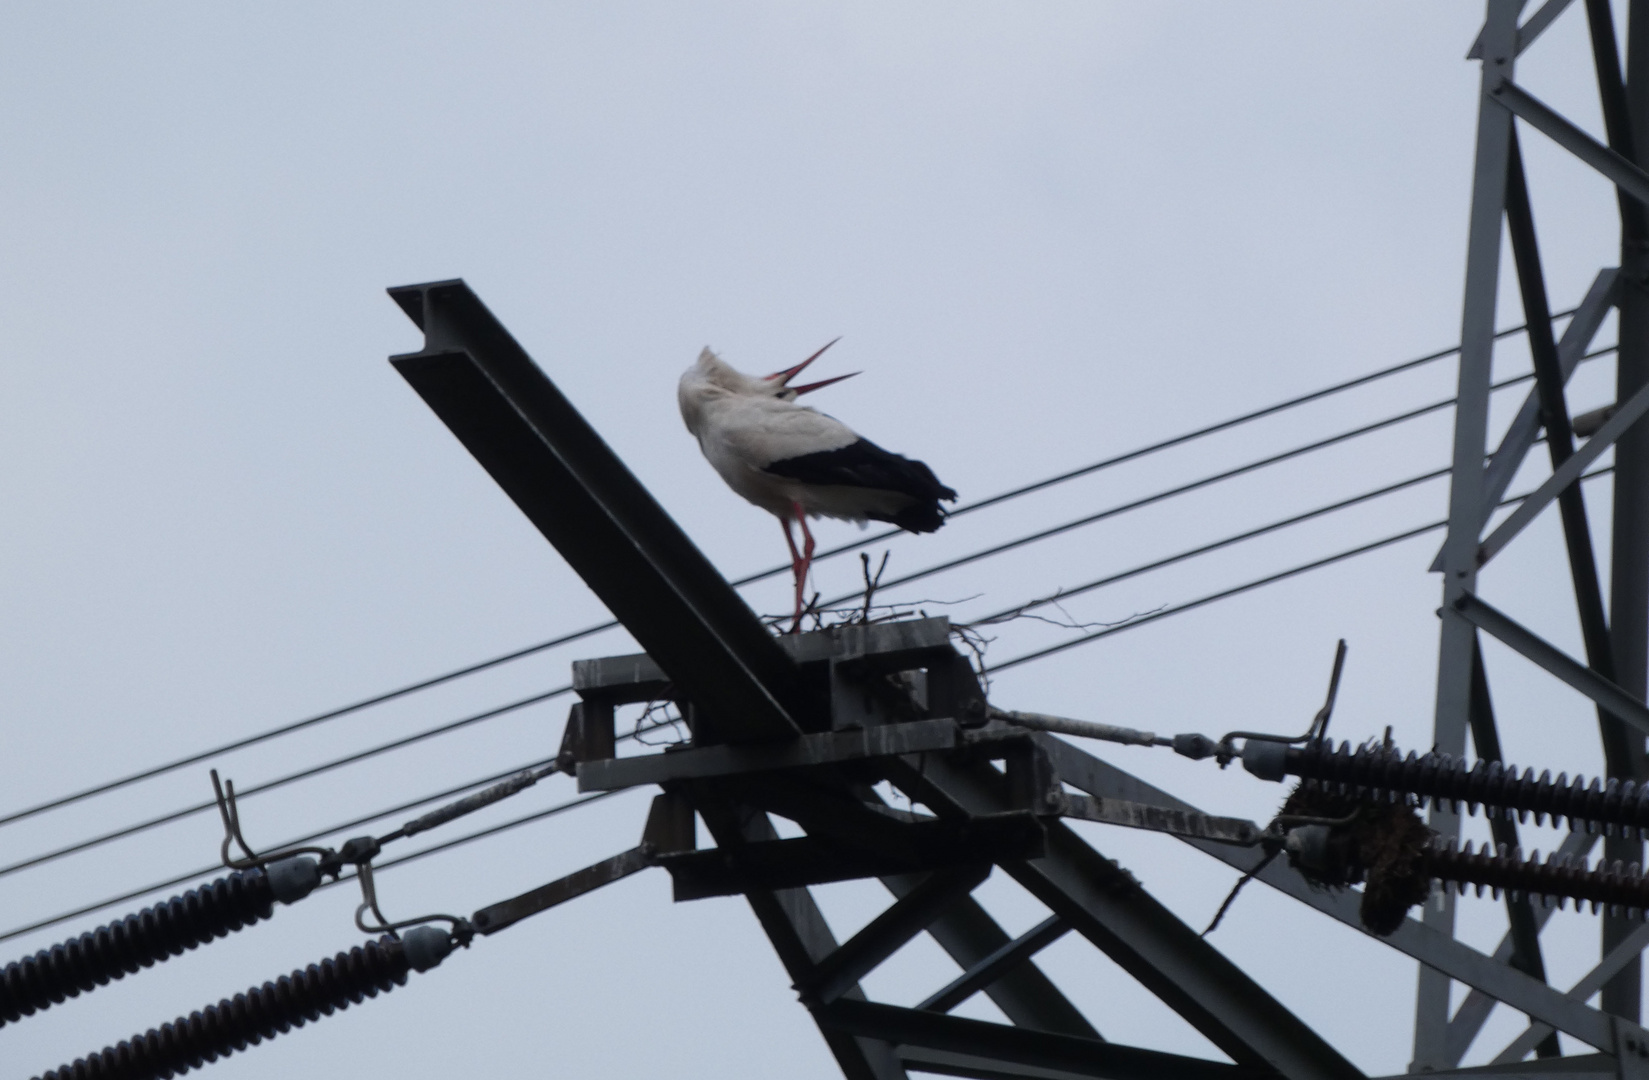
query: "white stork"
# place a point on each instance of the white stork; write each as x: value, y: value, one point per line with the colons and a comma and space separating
x: 795, y: 462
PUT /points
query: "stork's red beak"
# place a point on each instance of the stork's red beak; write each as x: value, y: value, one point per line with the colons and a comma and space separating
x: 808, y: 388
x: 787, y: 374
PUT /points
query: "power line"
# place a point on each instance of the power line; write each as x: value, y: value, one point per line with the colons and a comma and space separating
x: 338, y: 827
x: 589, y: 631
x: 976, y: 556
x: 1031, y: 657
x: 1249, y: 534
x: 1113, y: 511
x: 290, y: 778
x: 287, y: 729
x: 1206, y: 481
x: 218, y: 867
x: 1225, y: 594
x: 1177, y: 440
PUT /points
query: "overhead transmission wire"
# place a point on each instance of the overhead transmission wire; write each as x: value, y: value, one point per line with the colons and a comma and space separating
x: 289, y: 778
x: 1061, y: 594
x: 1125, y: 507
x: 1193, y: 485
x: 342, y: 826
x: 1040, y: 654
x: 997, y: 549
x: 1110, y: 512
x: 1248, y: 586
x: 929, y: 571
x: 829, y: 553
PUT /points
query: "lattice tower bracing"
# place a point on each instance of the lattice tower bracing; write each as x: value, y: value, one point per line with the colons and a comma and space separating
x: 1616, y: 639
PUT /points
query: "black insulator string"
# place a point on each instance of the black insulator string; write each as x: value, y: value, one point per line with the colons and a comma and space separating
x: 1225, y: 594
x: 590, y: 631
x: 141, y: 939
x: 250, y: 1017
x: 217, y: 868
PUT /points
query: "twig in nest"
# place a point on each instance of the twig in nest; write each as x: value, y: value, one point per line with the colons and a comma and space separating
x: 1237, y: 888
x: 1023, y: 611
x: 666, y: 721
x: 851, y: 615
x: 871, y: 582
x: 976, y: 644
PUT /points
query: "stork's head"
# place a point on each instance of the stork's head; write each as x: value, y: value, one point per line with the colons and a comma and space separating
x: 711, y: 378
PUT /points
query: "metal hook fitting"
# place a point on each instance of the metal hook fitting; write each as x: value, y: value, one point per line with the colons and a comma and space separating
x: 1319, y: 722
x: 229, y: 813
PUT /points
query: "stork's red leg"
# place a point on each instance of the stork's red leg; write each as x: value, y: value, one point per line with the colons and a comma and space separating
x: 806, y: 563
x: 798, y: 567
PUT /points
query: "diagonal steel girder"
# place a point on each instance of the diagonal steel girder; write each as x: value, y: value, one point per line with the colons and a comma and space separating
x: 570, y: 484
x: 1106, y: 905
x: 1524, y: 429
x: 1472, y: 610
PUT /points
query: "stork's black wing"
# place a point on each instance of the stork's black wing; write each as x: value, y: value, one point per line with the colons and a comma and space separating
x: 864, y: 464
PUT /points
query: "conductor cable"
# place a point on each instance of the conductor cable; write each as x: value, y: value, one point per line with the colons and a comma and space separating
x: 590, y: 631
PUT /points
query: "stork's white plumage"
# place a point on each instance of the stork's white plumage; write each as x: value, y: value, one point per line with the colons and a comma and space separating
x: 796, y: 462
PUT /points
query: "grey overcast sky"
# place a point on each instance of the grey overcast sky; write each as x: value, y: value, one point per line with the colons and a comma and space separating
x: 1047, y: 233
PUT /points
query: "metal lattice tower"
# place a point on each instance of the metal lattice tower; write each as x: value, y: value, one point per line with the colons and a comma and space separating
x: 1612, y: 672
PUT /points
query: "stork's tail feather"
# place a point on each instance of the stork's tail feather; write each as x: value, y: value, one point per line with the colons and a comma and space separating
x: 920, y: 517
x: 863, y: 464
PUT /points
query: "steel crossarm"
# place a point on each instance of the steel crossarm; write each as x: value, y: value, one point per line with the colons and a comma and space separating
x: 997, y: 964
x: 570, y: 484
x: 1589, y: 984
x: 802, y: 939
x: 808, y: 750
x: 974, y: 940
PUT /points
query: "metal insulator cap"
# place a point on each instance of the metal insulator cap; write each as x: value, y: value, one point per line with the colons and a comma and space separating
x: 426, y: 946
x: 293, y: 879
x: 1265, y: 759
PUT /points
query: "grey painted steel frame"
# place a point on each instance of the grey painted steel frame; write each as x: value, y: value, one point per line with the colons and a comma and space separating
x: 1104, y: 903
x: 1466, y: 490
x: 571, y: 485
x: 478, y: 380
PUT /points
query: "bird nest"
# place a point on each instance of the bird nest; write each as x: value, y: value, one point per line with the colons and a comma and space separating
x: 1380, y: 845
